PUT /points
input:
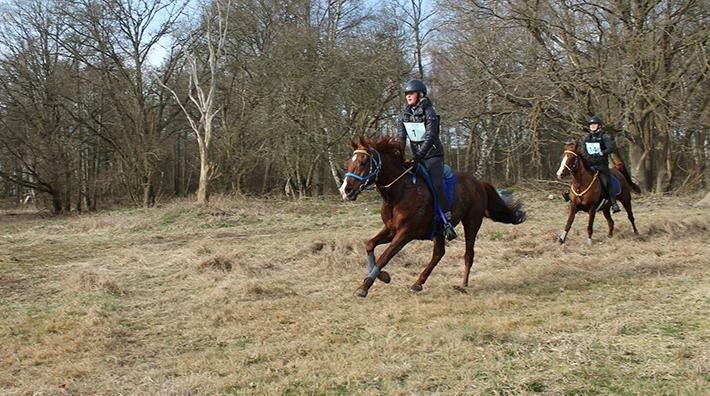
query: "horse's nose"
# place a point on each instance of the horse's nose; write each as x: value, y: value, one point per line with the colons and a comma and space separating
x: 345, y: 190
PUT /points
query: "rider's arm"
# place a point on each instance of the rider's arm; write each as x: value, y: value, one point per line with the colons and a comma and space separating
x: 609, y: 144
x: 431, y: 122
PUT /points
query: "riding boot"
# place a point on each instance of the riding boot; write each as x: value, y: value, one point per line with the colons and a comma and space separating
x: 565, y: 195
x: 606, y: 186
x: 612, y: 199
x: 449, y: 231
x: 614, y: 206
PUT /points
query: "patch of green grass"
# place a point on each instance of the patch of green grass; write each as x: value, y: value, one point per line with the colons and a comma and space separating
x: 340, y: 390
x: 105, y: 300
x: 536, y: 386
x: 674, y: 329
x: 172, y: 216
x: 497, y: 236
x: 256, y: 359
x: 222, y: 223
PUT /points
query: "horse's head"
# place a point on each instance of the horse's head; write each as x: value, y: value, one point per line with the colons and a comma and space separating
x: 361, y: 170
x: 571, y: 159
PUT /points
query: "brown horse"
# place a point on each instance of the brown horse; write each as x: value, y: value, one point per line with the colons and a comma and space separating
x: 407, y: 208
x: 586, y: 191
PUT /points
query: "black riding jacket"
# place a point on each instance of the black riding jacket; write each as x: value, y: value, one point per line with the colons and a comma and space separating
x: 607, y: 146
x: 422, y: 112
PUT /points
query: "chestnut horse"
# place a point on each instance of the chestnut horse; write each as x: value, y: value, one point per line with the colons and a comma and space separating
x: 586, y: 191
x: 408, y: 207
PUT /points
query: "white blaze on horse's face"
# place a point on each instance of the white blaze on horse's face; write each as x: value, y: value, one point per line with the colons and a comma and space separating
x: 342, y: 188
x: 561, y: 170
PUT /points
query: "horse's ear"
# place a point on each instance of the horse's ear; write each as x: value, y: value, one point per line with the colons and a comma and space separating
x: 352, y: 143
x: 363, y: 141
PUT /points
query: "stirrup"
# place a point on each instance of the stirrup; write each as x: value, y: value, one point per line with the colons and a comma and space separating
x: 615, y: 208
x: 565, y: 195
x: 449, y: 232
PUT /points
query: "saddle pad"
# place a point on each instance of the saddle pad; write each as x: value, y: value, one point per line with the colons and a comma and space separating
x: 615, y: 186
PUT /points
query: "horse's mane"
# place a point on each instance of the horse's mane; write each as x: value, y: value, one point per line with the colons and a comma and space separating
x: 385, y: 145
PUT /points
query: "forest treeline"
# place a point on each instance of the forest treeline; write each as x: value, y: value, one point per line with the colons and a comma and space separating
x: 127, y: 102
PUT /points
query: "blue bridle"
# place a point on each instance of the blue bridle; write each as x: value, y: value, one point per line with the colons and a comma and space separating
x: 370, y: 178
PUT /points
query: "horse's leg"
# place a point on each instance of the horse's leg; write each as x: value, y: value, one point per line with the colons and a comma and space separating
x: 590, y: 225
x: 384, y: 236
x: 609, y: 222
x: 568, y: 226
x: 626, y: 203
x: 400, y: 239
x: 437, y: 254
x: 470, y: 231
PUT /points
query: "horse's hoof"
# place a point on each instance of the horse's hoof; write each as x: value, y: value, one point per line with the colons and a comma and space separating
x: 460, y: 289
x: 416, y: 288
x: 384, y: 276
x: 360, y: 292
x: 562, y: 237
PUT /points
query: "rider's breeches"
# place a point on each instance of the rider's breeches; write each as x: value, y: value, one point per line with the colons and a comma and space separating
x: 435, y: 166
x: 605, y: 179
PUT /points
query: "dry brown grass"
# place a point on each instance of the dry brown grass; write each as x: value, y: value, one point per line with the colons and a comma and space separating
x: 255, y: 297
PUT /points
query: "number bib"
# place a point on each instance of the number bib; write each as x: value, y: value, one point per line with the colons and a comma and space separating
x: 416, y: 131
x: 593, y: 148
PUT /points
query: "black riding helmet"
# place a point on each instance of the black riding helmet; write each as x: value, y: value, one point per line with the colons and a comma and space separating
x: 415, y: 86
x: 595, y: 120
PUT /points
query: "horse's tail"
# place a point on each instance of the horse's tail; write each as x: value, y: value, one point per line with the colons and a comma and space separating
x: 622, y: 169
x: 501, y: 212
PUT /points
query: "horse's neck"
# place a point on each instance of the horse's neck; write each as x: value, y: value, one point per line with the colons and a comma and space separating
x: 392, y: 181
x: 584, y: 175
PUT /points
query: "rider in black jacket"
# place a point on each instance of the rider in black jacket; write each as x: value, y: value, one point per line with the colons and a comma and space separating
x: 425, y: 142
x: 598, y: 145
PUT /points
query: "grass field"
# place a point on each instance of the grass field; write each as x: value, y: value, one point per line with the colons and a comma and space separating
x: 254, y: 296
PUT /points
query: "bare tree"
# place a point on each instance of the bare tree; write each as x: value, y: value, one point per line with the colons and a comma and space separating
x: 202, y: 86
x: 417, y: 19
x: 625, y: 61
x: 36, y: 132
x: 115, y: 39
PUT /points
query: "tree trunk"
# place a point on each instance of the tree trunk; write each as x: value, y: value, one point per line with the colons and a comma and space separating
x: 333, y: 169
x: 700, y: 142
x: 57, y: 203
x: 203, y: 195
x: 148, y: 192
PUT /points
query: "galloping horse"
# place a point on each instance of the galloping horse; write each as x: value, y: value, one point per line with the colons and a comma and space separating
x: 408, y: 207
x: 586, y: 191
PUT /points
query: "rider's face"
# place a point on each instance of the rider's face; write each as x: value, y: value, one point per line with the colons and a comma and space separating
x: 593, y: 127
x: 412, y: 98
